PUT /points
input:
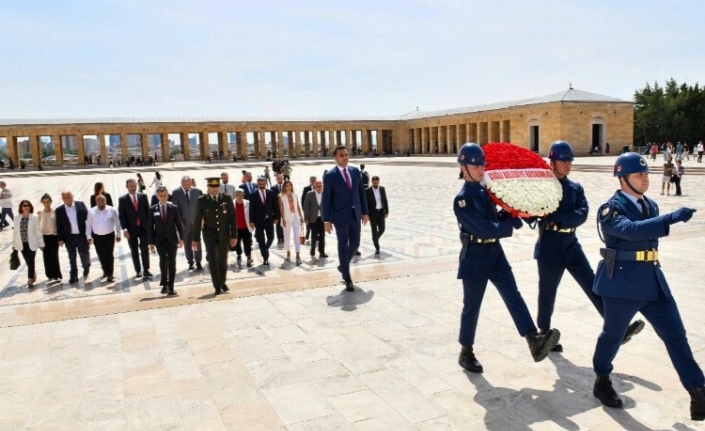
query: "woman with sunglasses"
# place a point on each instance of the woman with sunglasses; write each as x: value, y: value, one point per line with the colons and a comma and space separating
x: 27, y: 239
x: 47, y: 227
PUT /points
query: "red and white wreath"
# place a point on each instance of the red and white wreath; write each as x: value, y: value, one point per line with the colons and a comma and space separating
x: 520, y: 181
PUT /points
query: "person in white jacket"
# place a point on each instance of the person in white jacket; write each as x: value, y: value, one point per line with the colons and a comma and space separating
x: 27, y: 239
x: 291, y: 218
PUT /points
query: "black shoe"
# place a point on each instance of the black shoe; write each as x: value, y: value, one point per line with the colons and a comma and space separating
x: 217, y: 292
x: 634, y: 328
x: 604, y: 392
x: 340, y: 270
x: 265, y: 263
x: 171, y: 292
x: 557, y: 348
x: 357, y: 253
x: 86, y: 271
x: 190, y: 267
x: 147, y: 273
x: 110, y: 279
x: 249, y: 261
x: 199, y: 267
x: 322, y: 255
x: 697, y: 403
x: 73, y: 280
x: 225, y: 289
x: 349, y: 286
x: 377, y: 252
x: 468, y: 360
x: 541, y: 344
x: 164, y: 289
x: 139, y: 274
x: 239, y: 258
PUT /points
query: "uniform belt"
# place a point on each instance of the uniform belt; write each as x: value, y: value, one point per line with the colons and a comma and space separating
x: 555, y: 228
x: 476, y: 240
x: 639, y: 255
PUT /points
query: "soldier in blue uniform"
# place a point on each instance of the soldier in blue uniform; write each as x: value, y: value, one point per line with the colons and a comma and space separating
x: 482, y: 259
x: 629, y: 280
x: 558, y: 249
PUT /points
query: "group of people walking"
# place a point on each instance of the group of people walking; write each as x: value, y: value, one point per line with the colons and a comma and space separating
x: 628, y: 280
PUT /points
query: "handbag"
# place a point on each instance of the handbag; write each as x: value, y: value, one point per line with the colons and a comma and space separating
x: 14, y: 260
x: 302, y: 237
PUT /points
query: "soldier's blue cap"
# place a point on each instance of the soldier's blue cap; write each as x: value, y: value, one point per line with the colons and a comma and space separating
x: 471, y: 154
x: 630, y: 163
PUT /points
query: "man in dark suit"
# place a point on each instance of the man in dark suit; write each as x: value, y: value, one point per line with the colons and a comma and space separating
x: 215, y: 217
x: 248, y: 186
x: 71, y: 232
x: 344, y: 204
x: 133, y: 209
x: 264, y: 214
x: 312, y: 214
x: 379, y: 210
x: 277, y: 189
x: 308, y: 188
x: 165, y: 231
x: 186, y: 199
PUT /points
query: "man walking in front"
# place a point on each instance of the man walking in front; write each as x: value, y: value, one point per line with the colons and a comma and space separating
x: 133, y: 208
x: 379, y: 210
x: 103, y: 231
x: 264, y: 214
x: 165, y: 233
x: 71, y: 232
x: 215, y: 217
x: 344, y: 205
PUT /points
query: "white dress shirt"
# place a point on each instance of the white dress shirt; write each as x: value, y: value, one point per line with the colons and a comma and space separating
x: 73, y: 219
x: 378, y: 197
x: 103, y: 222
x: 319, y: 197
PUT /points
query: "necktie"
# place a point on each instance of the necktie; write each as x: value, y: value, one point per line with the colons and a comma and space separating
x: 163, y: 213
x: 644, y: 209
x: 264, y: 198
x: 134, y: 203
x: 347, y: 179
x: 188, y: 196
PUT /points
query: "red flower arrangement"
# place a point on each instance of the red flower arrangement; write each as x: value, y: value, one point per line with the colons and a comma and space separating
x: 520, y: 181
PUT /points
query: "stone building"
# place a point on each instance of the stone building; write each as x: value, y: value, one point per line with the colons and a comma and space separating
x: 586, y: 120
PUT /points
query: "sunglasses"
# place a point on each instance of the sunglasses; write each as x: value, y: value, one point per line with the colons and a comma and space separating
x: 26, y: 206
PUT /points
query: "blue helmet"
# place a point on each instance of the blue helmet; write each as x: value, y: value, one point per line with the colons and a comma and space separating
x: 471, y: 154
x: 630, y: 163
x: 561, y: 151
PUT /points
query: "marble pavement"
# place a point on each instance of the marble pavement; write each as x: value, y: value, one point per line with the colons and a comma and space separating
x: 288, y: 349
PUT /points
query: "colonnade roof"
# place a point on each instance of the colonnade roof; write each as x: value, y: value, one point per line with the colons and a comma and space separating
x: 569, y: 95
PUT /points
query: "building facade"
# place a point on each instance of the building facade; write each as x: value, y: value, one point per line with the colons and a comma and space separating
x: 586, y: 120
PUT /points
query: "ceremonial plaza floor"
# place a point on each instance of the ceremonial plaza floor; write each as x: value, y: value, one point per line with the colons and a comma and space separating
x: 288, y: 349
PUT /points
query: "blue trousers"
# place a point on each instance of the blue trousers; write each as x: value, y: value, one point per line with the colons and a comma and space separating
x: 348, y: 242
x: 666, y: 320
x: 499, y: 272
x: 550, y: 274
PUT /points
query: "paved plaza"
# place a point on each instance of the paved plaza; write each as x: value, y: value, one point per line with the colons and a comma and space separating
x: 288, y: 349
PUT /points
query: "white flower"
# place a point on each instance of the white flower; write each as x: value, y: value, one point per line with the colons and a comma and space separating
x: 532, y: 191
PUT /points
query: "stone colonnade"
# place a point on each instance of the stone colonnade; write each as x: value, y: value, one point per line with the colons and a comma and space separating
x: 120, y: 141
x: 446, y: 139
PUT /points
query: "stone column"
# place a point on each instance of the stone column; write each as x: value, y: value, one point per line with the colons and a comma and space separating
x: 123, y: 146
x: 204, y: 145
x: 348, y: 141
x: 36, y: 150
x: 223, y: 144
x: 242, y: 144
x: 307, y: 143
x: 314, y: 146
x: 301, y: 144
x: 185, y: 145
x: 280, y: 144
x: 58, y: 150
x: 323, y: 143
x: 290, y: 140
x: 365, y: 141
x: 166, y: 151
x: 144, y: 141
x: 12, y: 150
x: 424, y: 138
x: 80, y: 147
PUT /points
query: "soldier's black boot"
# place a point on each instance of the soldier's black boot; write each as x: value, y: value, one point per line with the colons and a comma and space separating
x: 634, y: 328
x: 541, y: 344
x: 697, y: 403
x: 468, y: 360
x: 557, y: 348
x: 604, y: 391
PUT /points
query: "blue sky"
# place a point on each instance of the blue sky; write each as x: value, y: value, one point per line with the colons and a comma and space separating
x: 164, y: 58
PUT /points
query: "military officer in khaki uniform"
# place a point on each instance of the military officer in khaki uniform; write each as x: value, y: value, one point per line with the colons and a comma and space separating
x: 215, y: 217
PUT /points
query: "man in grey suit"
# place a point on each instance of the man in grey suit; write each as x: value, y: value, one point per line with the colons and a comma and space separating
x: 226, y: 188
x: 312, y: 214
x: 186, y: 199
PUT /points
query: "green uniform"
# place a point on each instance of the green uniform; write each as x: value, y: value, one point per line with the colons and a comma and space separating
x: 216, y: 219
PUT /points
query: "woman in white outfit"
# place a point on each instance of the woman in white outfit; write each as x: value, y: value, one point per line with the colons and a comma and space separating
x: 291, y: 218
